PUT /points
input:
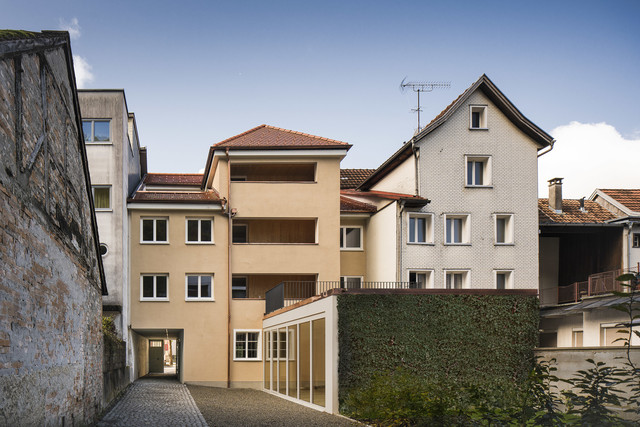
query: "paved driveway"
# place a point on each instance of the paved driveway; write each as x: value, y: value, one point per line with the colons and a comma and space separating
x: 165, y: 402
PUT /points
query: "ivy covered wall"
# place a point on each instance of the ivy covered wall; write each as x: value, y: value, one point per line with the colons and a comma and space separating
x: 483, y: 342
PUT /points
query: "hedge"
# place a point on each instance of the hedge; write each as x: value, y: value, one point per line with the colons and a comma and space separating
x: 466, y: 342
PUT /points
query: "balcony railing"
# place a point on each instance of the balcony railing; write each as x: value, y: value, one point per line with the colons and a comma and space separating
x: 597, y: 284
x: 288, y: 293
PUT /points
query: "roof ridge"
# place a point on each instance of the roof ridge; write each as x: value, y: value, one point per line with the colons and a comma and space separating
x: 305, y: 134
x: 246, y: 132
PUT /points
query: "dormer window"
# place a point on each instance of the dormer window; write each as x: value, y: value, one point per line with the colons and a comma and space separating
x: 478, y: 117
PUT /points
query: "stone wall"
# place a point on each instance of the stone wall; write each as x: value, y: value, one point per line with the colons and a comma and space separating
x: 50, y: 276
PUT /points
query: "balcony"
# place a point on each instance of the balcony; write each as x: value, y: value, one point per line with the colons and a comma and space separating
x: 597, y: 284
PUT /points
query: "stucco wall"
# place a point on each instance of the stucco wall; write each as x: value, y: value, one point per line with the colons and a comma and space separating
x: 50, y: 298
x: 400, y: 180
x: 381, y: 249
x: 354, y: 262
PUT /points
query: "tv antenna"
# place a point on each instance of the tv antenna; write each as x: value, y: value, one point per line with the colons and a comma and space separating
x: 422, y: 87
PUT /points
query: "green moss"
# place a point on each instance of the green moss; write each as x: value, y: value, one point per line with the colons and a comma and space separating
x: 17, y: 34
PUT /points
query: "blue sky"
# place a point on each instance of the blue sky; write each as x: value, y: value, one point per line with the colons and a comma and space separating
x: 196, y: 73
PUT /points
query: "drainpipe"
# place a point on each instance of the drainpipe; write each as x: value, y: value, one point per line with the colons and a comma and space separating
x: 416, y: 156
x: 229, y: 290
x: 399, y: 242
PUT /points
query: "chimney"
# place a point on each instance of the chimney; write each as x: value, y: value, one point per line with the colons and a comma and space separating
x: 582, y: 208
x: 143, y: 161
x: 555, y: 194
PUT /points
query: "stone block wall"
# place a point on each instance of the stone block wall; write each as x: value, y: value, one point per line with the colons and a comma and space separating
x: 50, y: 279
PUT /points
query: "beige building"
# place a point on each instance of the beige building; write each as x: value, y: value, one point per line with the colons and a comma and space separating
x: 206, y: 248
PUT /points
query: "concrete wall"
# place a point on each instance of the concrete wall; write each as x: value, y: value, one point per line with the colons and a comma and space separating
x: 50, y: 285
x: 400, y: 180
x: 381, y: 249
x: 513, y: 190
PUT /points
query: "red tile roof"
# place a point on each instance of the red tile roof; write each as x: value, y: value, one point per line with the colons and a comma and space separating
x: 176, y: 197
x: 190, y: 179
x: 383, y: 195
x: 351, y: 178
x: 270, y: 137
x: 630, y: 198
x: 350, y: 205
x: 571, y: 213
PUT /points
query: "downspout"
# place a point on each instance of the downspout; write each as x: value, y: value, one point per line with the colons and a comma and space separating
x: 399, y: 242
x: 416, y: 156
x: 229, y: 290
x: 550, y: 148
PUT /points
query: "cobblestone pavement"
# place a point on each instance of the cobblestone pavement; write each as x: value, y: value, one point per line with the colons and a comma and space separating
x: 155, y: 402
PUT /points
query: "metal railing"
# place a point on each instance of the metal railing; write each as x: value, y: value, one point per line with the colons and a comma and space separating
x: 288, y: 293
x: 597, y: 284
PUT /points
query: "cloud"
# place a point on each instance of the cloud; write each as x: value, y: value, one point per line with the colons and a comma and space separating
x: 201, y: 170
x: 589, y: 156
x: 73, y: 27
x: 83, y: 71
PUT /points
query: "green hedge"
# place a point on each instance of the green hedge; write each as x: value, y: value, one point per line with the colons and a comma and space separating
x: 458, y: 342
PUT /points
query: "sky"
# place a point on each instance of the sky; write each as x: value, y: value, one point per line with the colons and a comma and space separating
x: 196, y: 72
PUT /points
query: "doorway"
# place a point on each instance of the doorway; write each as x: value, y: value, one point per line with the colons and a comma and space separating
x: 163, y: 356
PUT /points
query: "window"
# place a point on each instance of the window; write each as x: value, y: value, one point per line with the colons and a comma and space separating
x: 478, y: 173
x: 548, y: 339
x: 456, y: 279
x: 577, y: 338
x: 246, y: 345
x: 350, y: 238
x: 478, y: 116
x: 199, y: 288
x: 609, y: 333
x: 636, y: 240
x: 420, y: 228
x: 102, y: 197
x: 200, y: 230
x: 104, y: 249
x: 154, y: 230
x: 350, y: 282
x: 503, y: 279
x: 96, y: 131
x: 238, y: 287
x: 154, y: 287
x: 420, y: 280
x: 456, y: 229
x: 504, y: 229
x: 240, y: 233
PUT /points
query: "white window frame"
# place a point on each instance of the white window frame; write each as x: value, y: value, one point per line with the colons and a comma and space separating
x: 343, y: 281
x: 487, y: 170
x: 155, y: 221
x: 573, y: 337
x: 428, y: 228
x: 465, y: 232
x: 508, y: 230
x: 93, y: 194
x: 635, y: 240
x: 508, y: 284
x: 186, y: 287
x: 429, y: 275
x: 199, y: 241
x: 466, y: 276
x: 482, y: 109
x: 258, y: 357
x: 93, y: 121
x: 155, y: 288
x: 343, y: 233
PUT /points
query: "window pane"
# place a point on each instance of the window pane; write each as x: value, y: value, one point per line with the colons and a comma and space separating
x: 147, y: 230
x: 239, y: 287
x: 448, y: 230
x: 412, y: 230
x: 241, y: 345
x: 161, y: 286
x: 161, y: 230
x: 192, y: 286
x: 457, y: 230
x: 147, y: 286
x: 353, y: 237
x: 479, y: 169
x: 342, y: 237
x: 100, y: 131
x: 101, y: 197
x: 475, y: 119
x: 192, y: 230
x: 469, y: 173
x: 421, y: 229
x: 501, y: 225
x: 205, y: 231
x: 86, y: 129
x: 205, y: 286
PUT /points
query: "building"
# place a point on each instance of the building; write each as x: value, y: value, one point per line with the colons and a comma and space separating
x: 116, y: 164
x: 458, y: 199
x: 51, y: 275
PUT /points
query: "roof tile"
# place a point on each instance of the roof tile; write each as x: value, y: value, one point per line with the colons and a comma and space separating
x: 350, y: 205
x: 630, y: 198
x: 352, y: 178
x: 571, y: 213
x: 191, y: 179
x: 269, y: 137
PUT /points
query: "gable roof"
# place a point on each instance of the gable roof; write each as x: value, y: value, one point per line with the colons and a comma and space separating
x: 352, y: 178
x: 571, y: 213
x: 484, y: 84
x: 629, y: 199
x: 270, y: 137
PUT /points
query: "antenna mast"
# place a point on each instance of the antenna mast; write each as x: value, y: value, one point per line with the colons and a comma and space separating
x: 422, y: 87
